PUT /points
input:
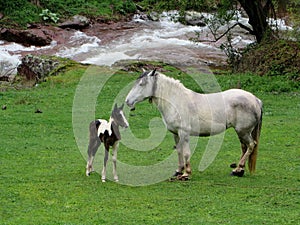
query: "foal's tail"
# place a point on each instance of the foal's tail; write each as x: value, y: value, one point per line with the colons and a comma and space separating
x: 255, y: 135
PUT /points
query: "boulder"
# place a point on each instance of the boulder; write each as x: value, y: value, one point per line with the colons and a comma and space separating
x: 195, y: 18
x: 37, y: 68
x: 76, y: 22
x: 36, y: 37
x: 153, y: 16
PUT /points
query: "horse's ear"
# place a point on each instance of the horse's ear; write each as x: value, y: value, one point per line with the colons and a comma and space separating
x: 143, y: 70
x: 153, y: 72
x: 122, y: 106
x: 116, y: 106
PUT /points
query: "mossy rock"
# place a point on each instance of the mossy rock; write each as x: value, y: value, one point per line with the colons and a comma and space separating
x: 37, y: 68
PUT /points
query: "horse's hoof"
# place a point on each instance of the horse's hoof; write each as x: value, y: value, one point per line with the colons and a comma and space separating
x: 238, y: 174
x: 233, y: 165
x: 176, y: 176
x: 103, y: 181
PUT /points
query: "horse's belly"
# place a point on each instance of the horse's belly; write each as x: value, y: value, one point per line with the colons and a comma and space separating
x: 208, y: 129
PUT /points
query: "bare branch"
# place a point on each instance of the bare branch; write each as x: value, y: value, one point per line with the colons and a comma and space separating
x: 226, y: 32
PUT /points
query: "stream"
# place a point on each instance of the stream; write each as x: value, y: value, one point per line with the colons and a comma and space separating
x: 139, y: 39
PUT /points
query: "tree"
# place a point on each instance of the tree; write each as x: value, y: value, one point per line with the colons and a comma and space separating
x: 258, y: 12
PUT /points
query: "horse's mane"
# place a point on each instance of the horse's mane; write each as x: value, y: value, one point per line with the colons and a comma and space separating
x: 171, y: 81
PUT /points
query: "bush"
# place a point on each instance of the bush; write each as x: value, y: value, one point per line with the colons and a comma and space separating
x: 283, y: 60
x: 49, y: 16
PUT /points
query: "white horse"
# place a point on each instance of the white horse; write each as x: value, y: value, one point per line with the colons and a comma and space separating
x: 187, y: 113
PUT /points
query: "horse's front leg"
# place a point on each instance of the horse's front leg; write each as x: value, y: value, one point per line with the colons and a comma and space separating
x: 184, y: 155
x: 115, y: 151
x: 180, y: 169
x: 103, y: 177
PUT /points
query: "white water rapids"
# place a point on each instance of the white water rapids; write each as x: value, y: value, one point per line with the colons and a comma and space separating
x: 165, y: 40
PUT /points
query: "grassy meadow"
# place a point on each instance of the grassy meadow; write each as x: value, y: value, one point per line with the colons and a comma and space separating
x: 42, y: 167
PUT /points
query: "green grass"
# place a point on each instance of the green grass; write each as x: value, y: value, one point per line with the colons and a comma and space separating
x: 42, y: 171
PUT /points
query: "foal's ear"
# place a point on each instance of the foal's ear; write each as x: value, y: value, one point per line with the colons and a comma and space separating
x: 122, y: 106
x: 153, y: 72
x: 143, y: 70
x: 116, y: 106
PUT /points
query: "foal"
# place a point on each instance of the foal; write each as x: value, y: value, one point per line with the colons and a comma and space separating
x: 109, y: 134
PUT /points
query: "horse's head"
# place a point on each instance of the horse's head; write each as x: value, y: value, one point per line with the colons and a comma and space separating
x: 143, y: 88
x: 119, y: 117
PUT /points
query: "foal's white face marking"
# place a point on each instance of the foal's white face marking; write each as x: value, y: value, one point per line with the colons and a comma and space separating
x: 142, y: 89
x: 124, y: 119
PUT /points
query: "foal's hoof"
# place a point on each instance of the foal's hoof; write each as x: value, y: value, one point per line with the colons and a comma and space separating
x: 238, y: 173
x: 233, y: 165
x: 183, y: 178
x: 88, y: 173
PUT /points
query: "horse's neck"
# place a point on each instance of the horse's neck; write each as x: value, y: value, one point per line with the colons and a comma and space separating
x: 115, y: 129
x: 168, y: 90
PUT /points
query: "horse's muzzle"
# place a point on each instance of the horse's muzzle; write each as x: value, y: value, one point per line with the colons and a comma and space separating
x: 130, y: 105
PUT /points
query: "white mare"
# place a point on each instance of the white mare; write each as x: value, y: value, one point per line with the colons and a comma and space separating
x: 187, y: 113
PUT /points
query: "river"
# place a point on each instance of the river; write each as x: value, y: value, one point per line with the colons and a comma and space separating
x: 139, y: 39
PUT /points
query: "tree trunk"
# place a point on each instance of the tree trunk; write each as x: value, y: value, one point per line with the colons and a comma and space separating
x: 36, y: 2
x: 282, y: 7
x: 257, y: 18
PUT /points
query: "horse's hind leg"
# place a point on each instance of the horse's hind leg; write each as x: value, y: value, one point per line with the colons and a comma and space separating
x: 94, y: 144
x: 247, y: 144
x: 114, y: 158
x: 92, y: 149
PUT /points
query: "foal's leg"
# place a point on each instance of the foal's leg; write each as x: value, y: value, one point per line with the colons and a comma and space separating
x: 103, y: 177
x: 92, y: 149
x: 114, y: 158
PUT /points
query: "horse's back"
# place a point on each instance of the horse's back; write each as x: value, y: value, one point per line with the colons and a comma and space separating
x: 241, y: 98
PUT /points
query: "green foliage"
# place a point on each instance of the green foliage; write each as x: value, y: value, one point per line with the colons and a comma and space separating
x: 22, y: 12
x: 18, y: 13
x: 124, y: 7
x: 182, y: 5
x: 294, y: 11
x: 283, y: 60
x: 49, y: 16
x: 43, y: 173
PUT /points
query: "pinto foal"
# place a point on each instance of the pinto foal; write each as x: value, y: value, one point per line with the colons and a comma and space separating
x: 109, y: 134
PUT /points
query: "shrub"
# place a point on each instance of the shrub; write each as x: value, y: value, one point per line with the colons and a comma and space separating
x: 49, y: 16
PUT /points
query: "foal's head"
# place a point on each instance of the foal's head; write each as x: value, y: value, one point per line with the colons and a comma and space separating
x: 119, y: 117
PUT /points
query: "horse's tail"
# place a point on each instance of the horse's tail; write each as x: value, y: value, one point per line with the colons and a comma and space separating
x: 255, y: 135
